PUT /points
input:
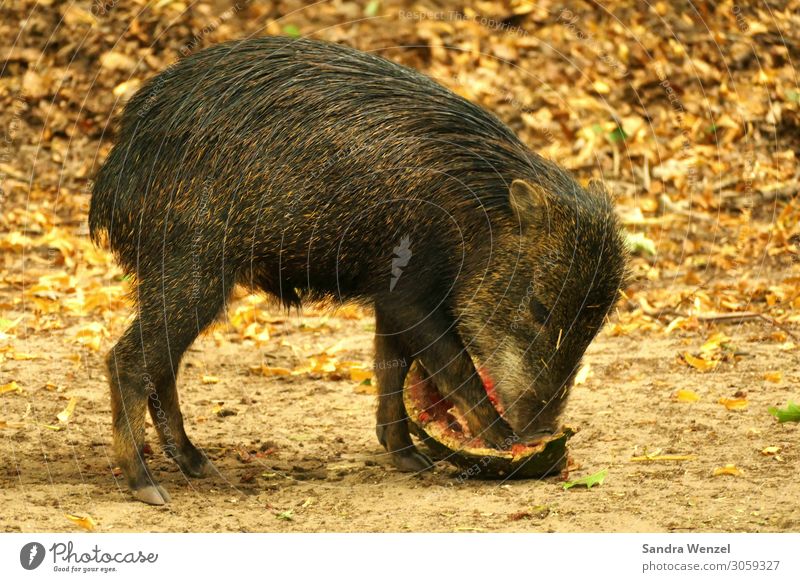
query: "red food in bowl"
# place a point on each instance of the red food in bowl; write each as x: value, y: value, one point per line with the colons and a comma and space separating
x: 439, y: 424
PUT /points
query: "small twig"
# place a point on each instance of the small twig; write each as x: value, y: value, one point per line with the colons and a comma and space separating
x: 746, y: 316
x: 732, y: 199
x: 738, y: 317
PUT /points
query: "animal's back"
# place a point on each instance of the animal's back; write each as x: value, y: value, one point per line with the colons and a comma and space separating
x: 244, y: 138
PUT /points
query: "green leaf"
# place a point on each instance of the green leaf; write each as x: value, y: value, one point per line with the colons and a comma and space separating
x: 372, y: 8
x: 617, y: 135
x: 291, y: 30
x: 588, y: 481
x: 287, y: 515
x: 639, y: 244
x: 366, y: 382
x: 793, y: 96
x: 789, y: 414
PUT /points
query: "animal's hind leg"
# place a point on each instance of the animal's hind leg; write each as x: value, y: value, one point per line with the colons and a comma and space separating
x: 174, y: 307
x: 130, y: 385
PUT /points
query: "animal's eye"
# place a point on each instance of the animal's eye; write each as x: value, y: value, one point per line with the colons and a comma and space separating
x: 540, y: 312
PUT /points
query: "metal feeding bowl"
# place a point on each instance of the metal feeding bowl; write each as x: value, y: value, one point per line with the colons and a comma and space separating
x: 439, y: 425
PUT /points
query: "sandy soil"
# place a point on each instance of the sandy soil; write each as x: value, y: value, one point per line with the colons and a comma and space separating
x: 299, y: 453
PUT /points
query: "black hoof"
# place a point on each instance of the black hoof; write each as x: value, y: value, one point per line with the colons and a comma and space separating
x: 411, y: 461
x: 152, y: 495
x: 193, y: 463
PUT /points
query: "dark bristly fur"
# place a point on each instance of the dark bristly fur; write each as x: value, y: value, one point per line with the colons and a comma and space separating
x: 297, y: 167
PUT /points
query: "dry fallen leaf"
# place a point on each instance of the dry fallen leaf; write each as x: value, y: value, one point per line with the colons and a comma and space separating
x: 686, y: 396
x: 11, y: 424
x: 714, y: 343
x: 10, y: 387
x: 91, y: 335
x: 734, y: 403
x: 7, y: 325
x: 265, y: 370
x: 321, y: 363
x: 775, y: 377
x: 700, y: 363
x: 646, y: 458
x: 65, y: 414
x: 126, y: 89
x: 86, y: 522
x: 210, y: 379
x: 768, y: 451
x: 117, y: 61
x: 359, y: 374
x: 256, y: 332
x: 582, y: 375
x: 729, y: 469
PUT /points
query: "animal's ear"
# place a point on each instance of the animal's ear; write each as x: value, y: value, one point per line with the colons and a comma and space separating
x: 527, y: 201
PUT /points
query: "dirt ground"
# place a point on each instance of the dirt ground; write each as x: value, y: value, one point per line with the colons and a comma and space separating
x: 298, y: 453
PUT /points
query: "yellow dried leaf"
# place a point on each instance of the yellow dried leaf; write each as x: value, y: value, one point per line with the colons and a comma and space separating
x: 320, y: 364
x: 601, y: 87
x: 734, y: 403
x: 127, y: 88
x: 263, y: 336
x: 655, y: 458
x: 91, y: 335
x: 19, y: 356
x: 700, y: 363
x: 582, y: 375
x: 775, y: 377
x: 210, y: 379
x: 117, y: 61
x: 335, y: 348
x: 714, y: 342
x: 265, y: 370
x: 11, y: 424
x: 74, y: 15
x: 86, y: 522
x: 729, y: 469
x: 11, y: 387
x: 686, y: 396
x: 360, y: 374
x: 678, y: 322
x: 9, y: 324
x: 768, y: 451
x: 65, y: 414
